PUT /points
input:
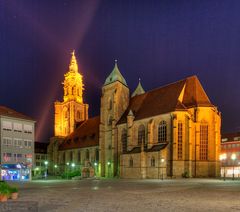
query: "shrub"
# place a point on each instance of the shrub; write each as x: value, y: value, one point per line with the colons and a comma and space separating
x: 5, y: 188
x: 13, y: 189
x: 185, y: 175
x: 69, y: 175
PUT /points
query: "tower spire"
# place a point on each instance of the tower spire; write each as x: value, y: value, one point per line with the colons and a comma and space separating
x: 73, y: 66
x: 139, y: 90
x: 115, y: 76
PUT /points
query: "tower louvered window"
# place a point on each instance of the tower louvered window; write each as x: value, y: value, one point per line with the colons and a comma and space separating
x: 124, y: 140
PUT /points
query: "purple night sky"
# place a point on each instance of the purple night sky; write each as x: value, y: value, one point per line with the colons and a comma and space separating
x: 157, y: 41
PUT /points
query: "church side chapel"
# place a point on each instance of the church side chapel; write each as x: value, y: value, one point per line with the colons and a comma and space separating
x: 170, y: 131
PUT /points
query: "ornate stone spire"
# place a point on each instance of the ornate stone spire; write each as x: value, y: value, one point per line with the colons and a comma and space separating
x: 73, y: 84
x: 73, y: 109
x: 73, y: 66
x: 139, y: 90
x: 115, y: 76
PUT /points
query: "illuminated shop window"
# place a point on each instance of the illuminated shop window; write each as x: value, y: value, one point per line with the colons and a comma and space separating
x: 7, y: 157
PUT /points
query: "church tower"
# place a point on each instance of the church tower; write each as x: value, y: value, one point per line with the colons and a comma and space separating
x: 114, y: 101
x: 72, y: 109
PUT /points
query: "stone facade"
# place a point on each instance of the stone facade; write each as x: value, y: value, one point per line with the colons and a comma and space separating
x: 171, y: 131
x: 189, y: 162
x: 114, y: 101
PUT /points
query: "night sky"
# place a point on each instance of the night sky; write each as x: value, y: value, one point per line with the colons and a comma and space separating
x: 157, y: 41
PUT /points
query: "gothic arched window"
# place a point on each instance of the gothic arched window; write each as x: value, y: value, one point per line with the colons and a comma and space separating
x: 110, y: 104
x: 65, y: 113
x: 110, y: 119
x: 97, y: 155
x: 152, y: 162
x: 141, y: 135
x: 124, y: 140
x: 87, y: 154
x: 63, y: 158
x: 162, y: 132
x: 78, y: 114
x: 71, y: 156
x: 203, y: 142
x: 131, y: 162
x: 73, y: 90
x: 180, y: 141
x: 79, y: 156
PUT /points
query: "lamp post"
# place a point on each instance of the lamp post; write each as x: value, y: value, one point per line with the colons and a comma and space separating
x: 109, y: 166
x: 67, y: 168
x: 222, y: 158
x: 233, y: 157
x: 46, y: 168
x: 55, y: 168
x: 162, y: 161
x: 96, y: 168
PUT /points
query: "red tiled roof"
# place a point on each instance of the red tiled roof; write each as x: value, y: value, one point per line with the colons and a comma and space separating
x: 5, y: 111
x: 85, y: 135
x: 194, y: 94
x: 165, y: 99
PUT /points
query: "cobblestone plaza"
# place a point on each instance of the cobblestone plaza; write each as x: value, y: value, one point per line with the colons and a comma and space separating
x: 131, y: 195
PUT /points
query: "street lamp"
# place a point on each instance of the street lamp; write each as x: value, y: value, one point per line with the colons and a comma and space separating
x: 67, y: 168
x: 109, y: 168
x: 162, y: 161
x: 73, y: 165
x: 55, y: 167
x: 46, y: 169
x: 233, y: 157
x: 96, y: 168
x: 223, y: 157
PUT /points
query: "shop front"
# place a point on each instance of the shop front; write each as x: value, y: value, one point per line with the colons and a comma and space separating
x: 15, y: 172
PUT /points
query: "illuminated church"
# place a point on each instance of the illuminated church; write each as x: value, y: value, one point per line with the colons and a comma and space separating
x: 171, y: 131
